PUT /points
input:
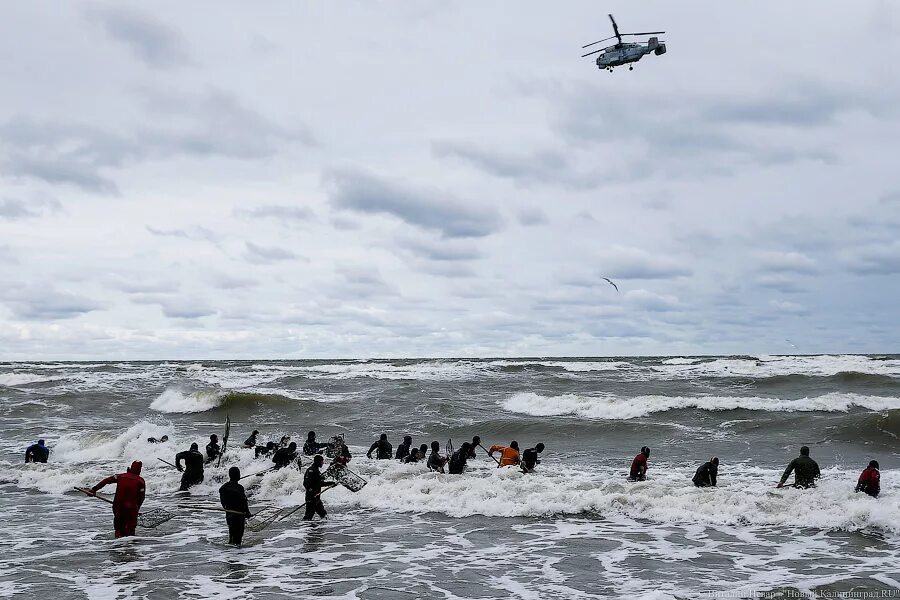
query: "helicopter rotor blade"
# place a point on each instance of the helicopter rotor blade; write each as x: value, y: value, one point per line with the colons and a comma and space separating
x: 615, y: 27
x: 645, y: 33
x: 594, y: 52
x: 597, y: 42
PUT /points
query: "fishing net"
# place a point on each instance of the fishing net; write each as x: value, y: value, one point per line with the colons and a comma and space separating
x: 345, y: 477
x: 149, y: 519
x: 264, y: 518
x: 335, y: 445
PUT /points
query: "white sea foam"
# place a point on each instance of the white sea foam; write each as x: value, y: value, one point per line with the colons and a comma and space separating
x: 769, y: 366
x: 668, y: 497
x: 176, y: 400
x: 616, y: 408
x: 15, y: 379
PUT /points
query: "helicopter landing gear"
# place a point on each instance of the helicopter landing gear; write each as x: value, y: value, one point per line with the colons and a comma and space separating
x: 631, y: 68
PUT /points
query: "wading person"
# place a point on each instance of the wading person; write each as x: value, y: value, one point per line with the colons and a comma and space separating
x: 707, y: 472
x: 531, y: 458
x: 250, y: 442
x: 38, y: 453
x: 313, y: 482
x: 213, y: 450
x: 638, y: 470
x: 870, y: 480
x: 436, y: 462
x: 509, y: 455
x: 403, y: 449
x: 232, y: 497
x: 457, y: 463
x: 192, y: 469
x: 805, y: 470
x: 311, y: 447
x: 285, y: 456
x: 383, y: 446
x: 476, y: 443
x: 130, y: 493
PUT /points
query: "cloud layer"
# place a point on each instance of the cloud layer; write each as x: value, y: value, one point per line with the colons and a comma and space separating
x: 175, y: 186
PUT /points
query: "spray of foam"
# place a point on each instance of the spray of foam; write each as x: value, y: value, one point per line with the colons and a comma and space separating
x: 611, y: 407
x: 175, y: 400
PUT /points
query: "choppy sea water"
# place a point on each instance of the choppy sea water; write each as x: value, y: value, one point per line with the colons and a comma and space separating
x: 573, y: 529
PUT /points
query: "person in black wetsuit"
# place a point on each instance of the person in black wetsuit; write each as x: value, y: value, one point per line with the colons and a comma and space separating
x: 161, y: 440
x: 383, y: 446
x: 193, y: 469
x: 283, y: 443
x: 312, y: 447
x: 38, y: 453
x: 707, y: 473
x: 285, y: 456
x: 805, y: 469
x: 476, y: 443
x: 413, y: 456
x: 458, y: 460
x: 213, y: 450
x: 436, y: 462
x: 342, y: 456
x: 403, y: 449
x: 423, y: 451
x: 232, y: 497
x: 530, y: 458
x: 250, y: 442
x: 266, y: 450
x: 313, y: 481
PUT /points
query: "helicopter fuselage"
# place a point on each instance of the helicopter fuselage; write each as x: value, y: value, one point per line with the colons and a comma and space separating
x: 624, y: 53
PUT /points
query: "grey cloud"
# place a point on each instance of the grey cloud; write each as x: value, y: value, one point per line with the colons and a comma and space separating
x: 210, y: 123
x: 224, y: 281
x: 790, y: 308
x: 806, y: 104
x: 214, y: 122
x: 278, y: 212
x: 647, y: 300
x: 788, y: 262
x: 532, y: 216
x: 137, y: 284
x: 634, y: 263
x: 263, y: 255
x: 356, y: 282
x: 195, y: 233
x: 36, y: 303
x: 19, y: 209
x: 445, y: 269
x: 185, y: 309
x: 780, y: 283
x: 890, y: 198
x: 355, y: 190
x: 443, y: 250
x: 152, y: 41
x: 685, y: 137
x: 542, y: 167
x: 874, y: 260
x: 344, y: 224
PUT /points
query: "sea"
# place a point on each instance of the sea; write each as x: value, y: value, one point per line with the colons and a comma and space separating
x: 574, y: 528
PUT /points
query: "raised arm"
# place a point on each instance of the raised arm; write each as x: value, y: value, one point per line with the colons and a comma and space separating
x: 105, y: 482
x: 787, y: 472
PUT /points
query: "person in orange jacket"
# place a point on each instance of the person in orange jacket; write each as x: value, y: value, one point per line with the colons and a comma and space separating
x: 509, y: 455
x: 130, y: 491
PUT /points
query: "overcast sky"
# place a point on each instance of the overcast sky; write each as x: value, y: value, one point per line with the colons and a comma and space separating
x: 433, y: 178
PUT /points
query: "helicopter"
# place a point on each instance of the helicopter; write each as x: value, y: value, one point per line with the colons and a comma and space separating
x: 623, y: 53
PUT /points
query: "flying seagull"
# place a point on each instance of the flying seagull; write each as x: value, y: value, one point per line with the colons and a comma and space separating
x: 610, y: 281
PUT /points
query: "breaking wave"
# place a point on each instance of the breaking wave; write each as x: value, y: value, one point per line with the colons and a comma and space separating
x: 615, y: 408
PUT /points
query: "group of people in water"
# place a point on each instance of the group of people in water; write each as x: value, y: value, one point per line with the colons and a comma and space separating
x: 805, y: 469
x: 131, y: 488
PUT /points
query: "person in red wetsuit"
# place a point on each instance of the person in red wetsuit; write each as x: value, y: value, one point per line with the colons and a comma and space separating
x: 639, y: 465
x: 870, y: 480
x: 130, y: 491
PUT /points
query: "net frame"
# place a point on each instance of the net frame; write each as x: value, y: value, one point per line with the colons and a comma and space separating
x: 345, y: 477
